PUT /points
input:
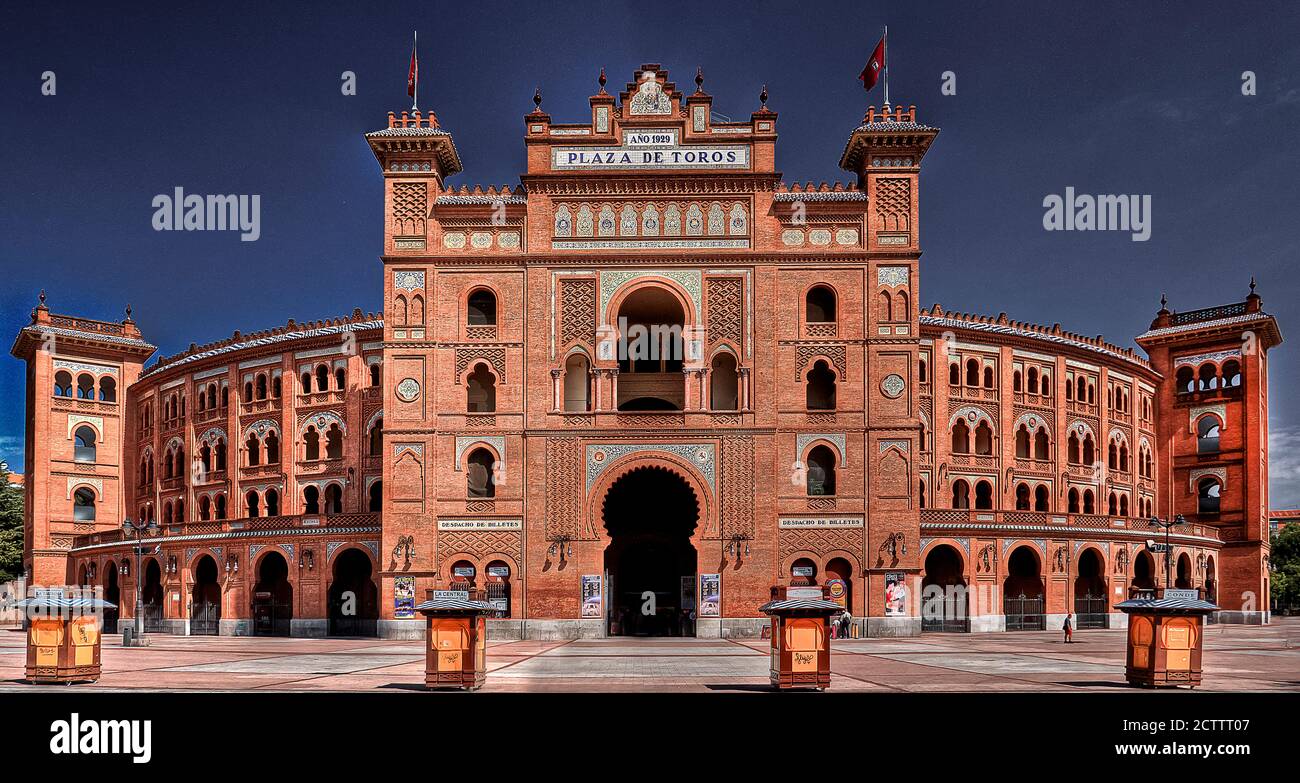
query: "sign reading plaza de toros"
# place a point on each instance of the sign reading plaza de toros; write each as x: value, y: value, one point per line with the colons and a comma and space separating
x: 651, y: 149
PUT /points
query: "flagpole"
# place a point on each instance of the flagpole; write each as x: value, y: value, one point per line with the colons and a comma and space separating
x: 415, y: 54
x: 886, y: 39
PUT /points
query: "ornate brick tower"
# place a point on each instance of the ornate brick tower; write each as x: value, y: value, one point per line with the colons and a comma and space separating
x: 885, y: 153
x: 1213, y: 425
x: 78, y: 371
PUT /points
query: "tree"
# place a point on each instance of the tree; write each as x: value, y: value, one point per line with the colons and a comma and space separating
x: 11, y: 528
x: 1284, y: 562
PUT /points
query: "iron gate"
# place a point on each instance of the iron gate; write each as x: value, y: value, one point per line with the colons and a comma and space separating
x: 110, y: 620
x: 205, y: 619
x: 153, y: 618
x: 1090, y: 612
x: 353, y: 626
x: 944, y: 614
x: 1024, y: 613
x: 271, y: 618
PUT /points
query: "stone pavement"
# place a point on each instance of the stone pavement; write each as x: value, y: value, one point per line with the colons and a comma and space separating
x: 1237, y: 658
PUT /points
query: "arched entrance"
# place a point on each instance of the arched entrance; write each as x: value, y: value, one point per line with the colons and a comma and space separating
x: 112, y: 594
x: 353, y: 597
x: 152, y: 595
x: 1183, y: 574
x: 1022, y: 592
x: 205, y: 600
x: 650, y: 514
x: 1144, y: 569
x: 839, y: 580
x: 651, y: 351
x: 1090, y: 606
x: 272, y: 597
x: 945, y: 603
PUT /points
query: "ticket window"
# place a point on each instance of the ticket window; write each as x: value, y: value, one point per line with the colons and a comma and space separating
x: 498, y: 587
x: 46, y: 634
x: 804, y: 641
x: 85, y: 638
x: 1179, y: 637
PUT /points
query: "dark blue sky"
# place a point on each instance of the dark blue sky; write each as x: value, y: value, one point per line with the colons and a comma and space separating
x: 244, y: 98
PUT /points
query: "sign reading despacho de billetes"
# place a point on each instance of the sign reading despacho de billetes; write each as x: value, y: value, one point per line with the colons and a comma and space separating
x: 807, y: 522
x: 480, y: 524
x: 695, y: 156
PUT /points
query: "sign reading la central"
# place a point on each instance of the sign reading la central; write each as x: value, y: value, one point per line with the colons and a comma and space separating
x: 651, y: 149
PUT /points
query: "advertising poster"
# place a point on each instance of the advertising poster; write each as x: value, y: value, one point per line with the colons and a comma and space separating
x: 591, y: 598
x: 838, y: 590
x: 404, y: 597
x: 710, y: 595
x: 895, y: 594
x: 688, y: 593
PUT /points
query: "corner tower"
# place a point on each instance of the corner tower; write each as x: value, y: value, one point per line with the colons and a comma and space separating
x: 1213, y: 430
x: 78, y: 371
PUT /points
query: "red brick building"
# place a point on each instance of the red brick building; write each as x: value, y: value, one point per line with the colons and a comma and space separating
x: 635, y: 391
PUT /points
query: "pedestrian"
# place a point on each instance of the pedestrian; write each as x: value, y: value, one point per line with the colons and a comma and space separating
x: 1068, y: 627
x: 845, y: 620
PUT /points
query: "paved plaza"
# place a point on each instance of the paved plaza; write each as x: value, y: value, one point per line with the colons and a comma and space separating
x: 1237, y: 658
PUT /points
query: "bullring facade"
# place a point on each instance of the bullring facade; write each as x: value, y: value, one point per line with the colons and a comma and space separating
x: 632, y: 393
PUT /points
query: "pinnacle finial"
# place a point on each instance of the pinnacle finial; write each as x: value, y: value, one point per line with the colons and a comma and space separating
x: 1252, y: 284
x: 699, y: 78
x: 602, y: 81
x: 537, y: 98
x: 128, y: 312
x: 42, y: 297
x: 1164, y: 300
x: 762, y: 97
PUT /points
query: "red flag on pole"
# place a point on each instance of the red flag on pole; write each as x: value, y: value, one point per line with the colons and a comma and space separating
x: 413, y: 75
x: 871, y: 73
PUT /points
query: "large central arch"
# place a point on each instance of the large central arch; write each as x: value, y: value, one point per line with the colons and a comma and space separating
x: 650, y: 514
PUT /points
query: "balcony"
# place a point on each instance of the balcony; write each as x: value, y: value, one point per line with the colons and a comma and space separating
x: 210, y: 415
x: 668, y: 388
x: 331, y: 397
x: 960, y: 518
x: 259, y: 406
x: 305, y: 523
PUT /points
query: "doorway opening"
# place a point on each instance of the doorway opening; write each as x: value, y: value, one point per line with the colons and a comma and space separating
x: 650, y: 514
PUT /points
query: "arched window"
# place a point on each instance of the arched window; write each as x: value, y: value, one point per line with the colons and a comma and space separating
x: 1045, y: 384
x: 921, y: 493
x: 310, y: 500
x: 1123, y: 457
x: 1015, y: 381
x: 219, y: 452
x: 821, y: 471
x: 1032, y: 380
x: 107, y: 389
x: 311, y: 442
x: 220, y: 509
x: 253, y: 453
x: 251, y: 503
x: 885, y: 307
x: 306, y: 382
x: 983, y: 438
x: 63, y: 384
x: 960, y: 437
x: 1022, y: 442
x: 84, y: 448
x: 988, y: 377
x: 1208, y: 492
x: 819, y: 305
x: 478, y: 478
x: 1123, y: 505
x: 1022, y: 497
x: 1072, y: 501
x: 272, y: 502
x: 922, y: 370
x: 1112, y: 504
x: 1207, y: 377
x: 205, y: 508
x: 482, y: 308
x: 377, y: 437
x: 480, y: 390
x: 1112, y: 456
x: 85, y: 387
x: 377, y: 496
x: 1042, y: 498
x: 272, y: 443
x: 1231, y: 374
x: 340, y: 378
x: 205, y: 457
x: 724, y: 383
x: 1089, y: 450
x: 983, y: 495
x: 1072, y: 449
x: 820, y: 391
x: 954, y: 374
x: 1185, y: 381
x: 375, y: 374
x: 322, y: 378
x: 333, y: 499
x: 248, y: 389
x: 1081, y: 388
x: 960, y: 494
x: 577, y: 383
x: 83, y: 504
x: 972, y: 373
x: 1089, y: 502
x: 1207, y: 435
x: 334, y: 442
x: 261, y: 390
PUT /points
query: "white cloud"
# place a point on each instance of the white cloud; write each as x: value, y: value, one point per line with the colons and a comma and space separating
x: 1284, y: 467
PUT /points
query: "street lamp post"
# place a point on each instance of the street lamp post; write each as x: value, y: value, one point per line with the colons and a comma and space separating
x: 1168, y: 525
x: 130, y: 528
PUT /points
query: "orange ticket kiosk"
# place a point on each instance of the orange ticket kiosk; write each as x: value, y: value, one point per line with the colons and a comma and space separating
x: 63, y: 636
x: 455, y: 639
x: 1165, y: 638
x: 801, y: 647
